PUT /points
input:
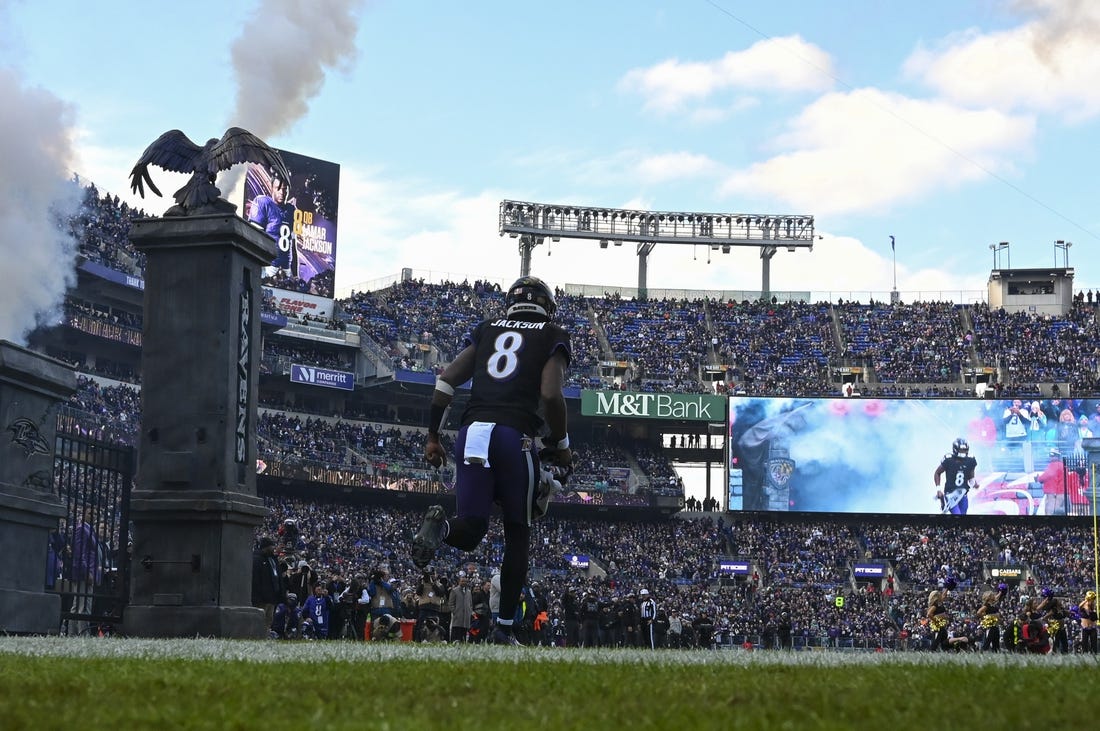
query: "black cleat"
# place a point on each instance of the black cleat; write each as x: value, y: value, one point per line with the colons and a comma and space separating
x: 503, y: 636
x: 427, y: 539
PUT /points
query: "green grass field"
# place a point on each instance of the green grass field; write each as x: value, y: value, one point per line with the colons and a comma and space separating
x: 90, y: 683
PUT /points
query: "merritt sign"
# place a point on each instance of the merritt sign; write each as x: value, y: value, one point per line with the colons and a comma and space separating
x: 627, y: 405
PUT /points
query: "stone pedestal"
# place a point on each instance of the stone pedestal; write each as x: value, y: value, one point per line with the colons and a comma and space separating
x: 195, y: 507
x: 31, y: 387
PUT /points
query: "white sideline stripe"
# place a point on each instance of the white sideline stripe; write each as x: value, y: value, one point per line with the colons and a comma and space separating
x: 274, y: 651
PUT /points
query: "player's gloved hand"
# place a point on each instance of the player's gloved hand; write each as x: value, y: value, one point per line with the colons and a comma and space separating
x: 558, y: 461
x: 434, y: 452
x: 551, y: 455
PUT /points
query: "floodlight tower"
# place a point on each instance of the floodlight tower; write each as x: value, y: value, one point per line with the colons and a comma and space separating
x: 1062, y: 246
x: 532, y: 223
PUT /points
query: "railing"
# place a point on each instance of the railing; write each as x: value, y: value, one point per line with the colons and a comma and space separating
x: 822, y: 643
x: 103, y: 329
x: 963, y: 296
x: 363, y: 476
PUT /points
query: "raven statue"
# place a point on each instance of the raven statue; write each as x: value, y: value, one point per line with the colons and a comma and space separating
x: 175, y: 152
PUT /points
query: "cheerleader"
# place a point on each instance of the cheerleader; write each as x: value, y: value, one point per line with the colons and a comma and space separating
x: 1087, y: 609
x: 937, y: 620
x: 1056, y: 619
x: 989, y: 618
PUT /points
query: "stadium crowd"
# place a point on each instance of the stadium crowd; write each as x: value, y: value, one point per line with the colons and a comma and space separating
x: 800, y: 590
x: 765, y: 348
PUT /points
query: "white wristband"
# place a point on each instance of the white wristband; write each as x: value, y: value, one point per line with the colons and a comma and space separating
x: 563, y: 444
x: 444, y: 387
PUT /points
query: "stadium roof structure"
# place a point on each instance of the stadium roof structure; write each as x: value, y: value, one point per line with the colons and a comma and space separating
x: 533, y: 223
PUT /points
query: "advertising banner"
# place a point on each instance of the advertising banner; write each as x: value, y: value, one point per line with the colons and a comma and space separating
x: 322, y: 377
x: 868, y: 571
x: 1007, y: 574
x: 577, y: 560
x: 990, y: 457
x: 297, y: 304
x: 619, y: 477
x: 733, y: 567
x: 300, y: 214
x: 677, y: 406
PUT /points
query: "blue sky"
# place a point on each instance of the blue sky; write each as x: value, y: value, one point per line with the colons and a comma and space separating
x: 950, y: 125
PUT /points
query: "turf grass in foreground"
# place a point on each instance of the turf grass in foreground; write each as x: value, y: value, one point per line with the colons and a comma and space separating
x: 50, y: 683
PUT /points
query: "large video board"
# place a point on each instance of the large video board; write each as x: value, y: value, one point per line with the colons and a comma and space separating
x: 300, y: 214
x: 880, y: 455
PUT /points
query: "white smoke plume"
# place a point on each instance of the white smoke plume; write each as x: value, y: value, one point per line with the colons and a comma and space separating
x: 280, y: 61
x: 36, y: 201
x: 1060, y: 25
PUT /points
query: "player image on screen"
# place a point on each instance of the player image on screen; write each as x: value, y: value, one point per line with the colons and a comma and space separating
x: 958, y: 468
x: 299, y: 213
x: 275, y: 214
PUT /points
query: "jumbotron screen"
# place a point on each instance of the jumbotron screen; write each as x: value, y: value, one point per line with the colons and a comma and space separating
x: 300, y: 215
x: 880, y: 455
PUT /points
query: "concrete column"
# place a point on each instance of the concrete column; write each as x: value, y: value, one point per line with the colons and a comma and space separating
x: 1092, y: 452
x: 31, y: 388
x: 195, y: 507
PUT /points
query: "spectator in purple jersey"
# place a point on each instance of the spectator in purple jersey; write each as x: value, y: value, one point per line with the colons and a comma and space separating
x: 316, y: 613
x: 85, y: 567
x: 516, y: 363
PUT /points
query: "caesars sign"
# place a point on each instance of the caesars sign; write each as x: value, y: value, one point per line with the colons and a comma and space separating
x: 300, y: 215
x: 624, y: 404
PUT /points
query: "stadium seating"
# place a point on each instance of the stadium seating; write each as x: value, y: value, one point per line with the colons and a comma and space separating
x: 778, y: 349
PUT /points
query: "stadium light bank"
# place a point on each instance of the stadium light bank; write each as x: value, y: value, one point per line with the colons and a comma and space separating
x: 533, y: 223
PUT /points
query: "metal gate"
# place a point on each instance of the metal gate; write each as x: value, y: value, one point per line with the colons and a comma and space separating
x: 89, y: 553
x: 1079, y: 484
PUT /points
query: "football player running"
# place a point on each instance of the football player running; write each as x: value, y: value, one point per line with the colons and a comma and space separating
x: 958, y: 469
x: 517, y: 363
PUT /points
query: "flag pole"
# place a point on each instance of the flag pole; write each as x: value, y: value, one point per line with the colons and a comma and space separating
x: 894, y: 254
x: 894, y: 297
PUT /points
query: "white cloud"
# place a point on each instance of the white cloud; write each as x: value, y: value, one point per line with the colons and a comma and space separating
x: 776, y: 64
x: 864, y: 150
x: 388, y: 224
x: 703, y: 116
x: 675, y: 166
x: 1048, y: 64
x: 842, y: 267
x: 109, y: 169
x: 385, y: 227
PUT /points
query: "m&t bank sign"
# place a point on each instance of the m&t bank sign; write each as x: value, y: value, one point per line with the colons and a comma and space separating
x: 627, y: 405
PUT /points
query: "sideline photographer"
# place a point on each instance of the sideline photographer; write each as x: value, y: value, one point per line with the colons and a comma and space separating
x: 384, y: 599
x: 430, y: 594
x: 385, y: 627
x: 354, y: 603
